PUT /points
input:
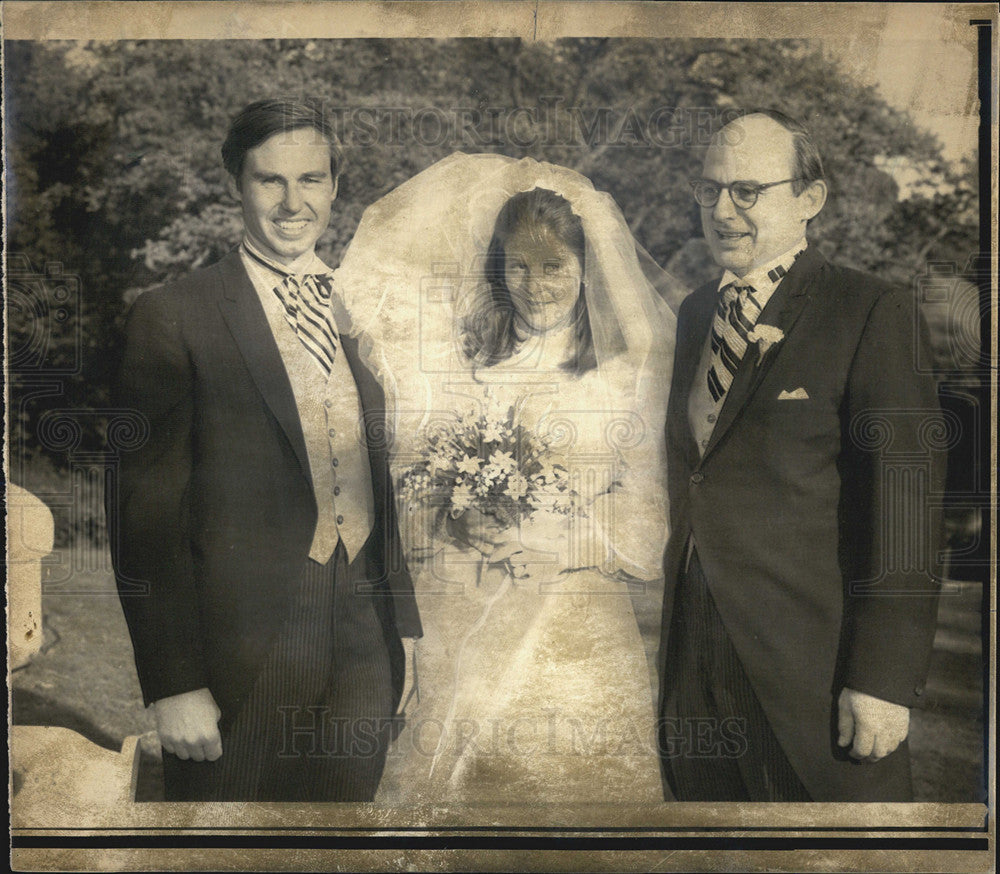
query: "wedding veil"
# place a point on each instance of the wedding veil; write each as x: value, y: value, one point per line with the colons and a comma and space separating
x: 418, y: 255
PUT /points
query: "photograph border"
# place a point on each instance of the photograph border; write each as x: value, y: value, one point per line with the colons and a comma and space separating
x: 954, y: 837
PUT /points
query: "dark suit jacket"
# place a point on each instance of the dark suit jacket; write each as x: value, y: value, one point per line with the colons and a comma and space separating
x: 213, y: 516
x: 813, y: 518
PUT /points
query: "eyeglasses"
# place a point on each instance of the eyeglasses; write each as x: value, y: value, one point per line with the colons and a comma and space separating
x: 744, y: 194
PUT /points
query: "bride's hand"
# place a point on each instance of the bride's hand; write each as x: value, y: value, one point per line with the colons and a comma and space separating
x: 526, y: 563
x: 478, y: 530
x: 546, y: 532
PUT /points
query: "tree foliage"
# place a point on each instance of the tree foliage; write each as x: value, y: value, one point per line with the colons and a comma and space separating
x: 113, y: 166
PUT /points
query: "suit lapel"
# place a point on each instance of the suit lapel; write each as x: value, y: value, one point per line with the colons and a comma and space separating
x: 372, y: 409
x: 690, y: 343
x: 369, y: 389
x: 782, y: 311
x: 244, y: 314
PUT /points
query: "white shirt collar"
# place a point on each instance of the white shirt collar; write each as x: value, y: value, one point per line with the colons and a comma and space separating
x: 307, y: 262
x: 758, y: 278
x: 264, y: 281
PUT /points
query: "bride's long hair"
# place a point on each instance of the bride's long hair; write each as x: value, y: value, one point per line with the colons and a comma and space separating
x: 494, y: 328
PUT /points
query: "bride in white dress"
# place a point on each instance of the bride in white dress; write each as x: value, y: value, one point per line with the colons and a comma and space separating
x: 485, y: 280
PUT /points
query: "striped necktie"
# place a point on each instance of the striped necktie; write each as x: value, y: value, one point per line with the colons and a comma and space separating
x: 305, y: 300
x: 735, y: 317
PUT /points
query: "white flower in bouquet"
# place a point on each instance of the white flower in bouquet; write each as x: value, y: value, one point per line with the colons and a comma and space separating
x: 483, y: 487
x: 503, y: 461
x: 517, y: 486
x: 461, y: 497
x: 493, y: 432
x: 470, y: 464
x: 546, y: 475
x: 486, y: 460
x: 440, y: 460
x: 491, y: 473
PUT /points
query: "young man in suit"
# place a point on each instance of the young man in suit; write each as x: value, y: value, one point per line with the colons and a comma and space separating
x: 253, y: 533
x: 801, y: 572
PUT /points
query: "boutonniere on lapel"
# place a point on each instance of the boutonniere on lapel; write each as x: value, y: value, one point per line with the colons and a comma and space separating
x: 765, y: 336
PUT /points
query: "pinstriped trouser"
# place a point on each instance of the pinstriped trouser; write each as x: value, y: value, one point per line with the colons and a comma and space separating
x: 316, y: 724
x: 710, y: 692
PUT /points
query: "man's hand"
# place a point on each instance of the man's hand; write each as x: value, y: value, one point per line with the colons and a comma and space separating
x: 876, y: 726
x: 188, y: 725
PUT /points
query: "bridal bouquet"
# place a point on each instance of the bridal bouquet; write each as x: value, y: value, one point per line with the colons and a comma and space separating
x: 485, y: 463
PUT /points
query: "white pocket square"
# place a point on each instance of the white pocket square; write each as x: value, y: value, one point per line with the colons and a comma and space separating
x: 800, y: 394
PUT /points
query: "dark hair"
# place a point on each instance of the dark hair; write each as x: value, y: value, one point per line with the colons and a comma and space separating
x: 494, y: 329
x: 264, y: 118
x: 808, y: 166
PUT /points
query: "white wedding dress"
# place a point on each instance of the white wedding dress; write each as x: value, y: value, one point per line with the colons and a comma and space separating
x: 539, y: 691
x: 530, y: 691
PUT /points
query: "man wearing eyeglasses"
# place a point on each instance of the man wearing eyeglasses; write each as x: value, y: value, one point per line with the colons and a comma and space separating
x: 802, y: 574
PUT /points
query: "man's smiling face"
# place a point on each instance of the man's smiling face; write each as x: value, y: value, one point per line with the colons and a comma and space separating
x: 758, y: 150
x: 286, y: 190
